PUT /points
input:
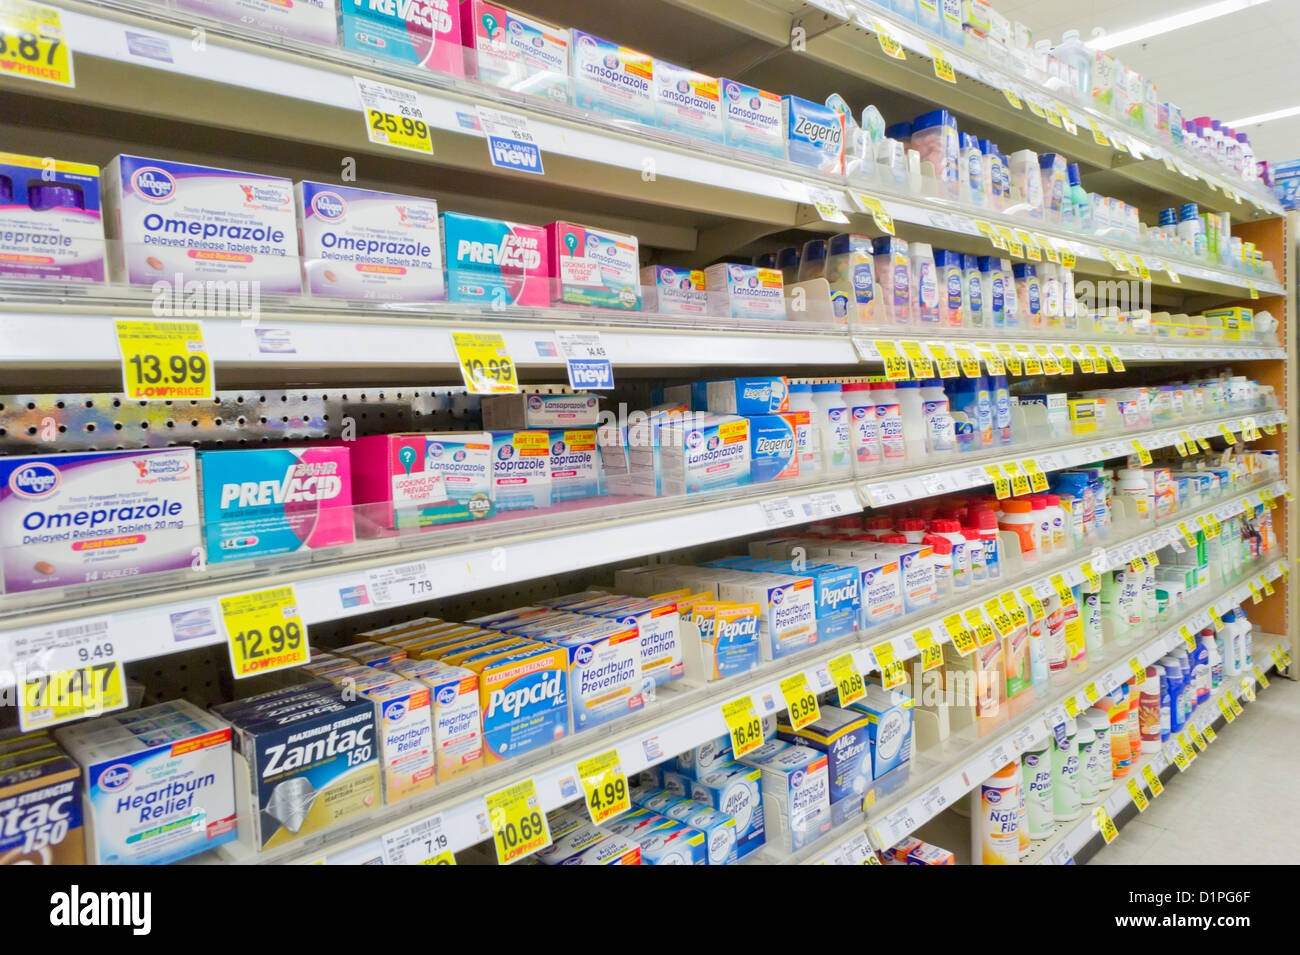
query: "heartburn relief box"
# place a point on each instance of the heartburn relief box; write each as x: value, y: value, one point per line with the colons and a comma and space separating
x: 404, y: 727
x: 361, y: 244
x: 165, y: 219
x: 263, y: 501
x: 457, y: 725
x: 310, y: 21
x: 405, y: 481
x: 99, y: 515
x: 50, y: 225
x: 516, y: 52
x: 594, y: 266
x: 426, y: 33
x: 494, y: 261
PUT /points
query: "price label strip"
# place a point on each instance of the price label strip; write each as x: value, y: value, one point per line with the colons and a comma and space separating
x: 264, y: 631
x: 393, y: 116
x: 942, y: 68
x: 800, y: 700
x: 848, y: 681
x: 33, y: 45
x: 420, y: 843
x: 1138, y: 796
x: 896, y: 367
x: 585, y: 360
x: 1152, y: 780
x: 485, y: 363
x: 405, y: 583
x: 743, y: 724
x: 604, y: 785
x: 519, y: 826
x: 164, y: 361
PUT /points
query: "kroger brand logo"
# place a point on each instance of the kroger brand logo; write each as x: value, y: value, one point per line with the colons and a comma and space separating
x: 115, y: 777
x: 731, y: 91
x: 993, y: 796
x: 584, y: 654
x: 447, y: 695
x: 593, y: 243
x: 535, y: 402
x: 153, y: 183
x: 694, y: 440
x: 515, y: 27
x: 753, y: 281
x: 435, y: 450
x: 507, y: 451
x: 778, y: 597
x: 34, y: 480
x: 329, y: 205
x: 796, y: 778
x: 737, y: 273
x: 395, y: 710
x: 587, y: 43
x: 557, y: 447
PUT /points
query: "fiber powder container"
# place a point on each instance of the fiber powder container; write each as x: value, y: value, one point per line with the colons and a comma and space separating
x: 165, y: 219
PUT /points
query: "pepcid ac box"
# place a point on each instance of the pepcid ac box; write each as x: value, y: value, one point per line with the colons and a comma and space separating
x: 522, y: 411
x: 421, y: 480
x: 423, y: 33
x: 594, y: 266
x: 361, y: 244
x: 40, y: 806
x: 310, y: 21
x: 97, y: 515
x: 165, y: 219
x: 495, y: 262
x: 612, y: 80
x: 525, y: 701
x: 521, y: 470
x: 516, y: 52
x: 263, y: 501
x: 50, y: 224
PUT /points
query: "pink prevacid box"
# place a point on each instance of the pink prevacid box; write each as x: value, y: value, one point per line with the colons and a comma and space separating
x: 417, y: 481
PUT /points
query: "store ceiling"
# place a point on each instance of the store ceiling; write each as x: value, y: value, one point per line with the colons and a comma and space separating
x: 1237, y: 65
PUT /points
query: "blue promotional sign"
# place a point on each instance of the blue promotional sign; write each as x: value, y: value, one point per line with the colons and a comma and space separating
x: 510, y: 143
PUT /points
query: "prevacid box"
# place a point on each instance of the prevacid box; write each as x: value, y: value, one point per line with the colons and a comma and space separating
x: 494, y: 261
x: 263, y: 501
x: 310, y: 21
x: 594, y: 267
x: 425, y: 33
x: 170, y: 218
x: 611, y: 79
x: 369, y: 245
x: 70, y: 519
x: 516, y: 52
x: 405, y: 481
x: 50, y: 224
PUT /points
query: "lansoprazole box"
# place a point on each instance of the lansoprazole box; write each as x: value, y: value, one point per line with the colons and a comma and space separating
x: 357, y: 243
x: 594, y: 266
x: 521, y: 469
x: 575, y: 465
x: 168, y: 218
x: 687, y: 102
x: 99, y: 515
x: 495, y: 261
x: 311, y: 21
x: 745, y: 291
x: 703, y: 454
x: 515, y: 51
x: 674, y: 291
x: 50, y: 224
x: 421, y: 480
x: 752, y: 119
x: 611, y: 79
x: 421, y: 32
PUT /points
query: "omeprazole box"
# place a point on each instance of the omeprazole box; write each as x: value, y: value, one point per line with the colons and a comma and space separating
x: 76, y: 518
x: 311, y: 21
x: 369, y: 245
x: 168, y: 218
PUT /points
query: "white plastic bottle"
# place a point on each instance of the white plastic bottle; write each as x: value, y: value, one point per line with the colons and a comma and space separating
x: 940, y: 439
x: 1088, y: 755
x: 1036, y: 777
x: 807, y: 436
x: 995, y: 821
x: 925, y: 285
x: 833, y: 428
x: 911, y: 406
x: 889, y: 418
x: 1066, y: 805
x: 864, y: 430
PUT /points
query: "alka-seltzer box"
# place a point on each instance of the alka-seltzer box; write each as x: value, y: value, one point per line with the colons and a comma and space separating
x: 404, y: 725
x: 99, y: 515
x: 50, y: 224
x: 745, y: 291
x: 521, y: 470
x: 515, y: 51
x: 402, y: 481
x: 814, y: 135
x: 752, y: 119
x: 155, y: 795
x: 612, y: 80
x: 263, y: 501
x: 369, y: 245
x: 525, y: 701
x: 165, y: 219
x: 575, y: 465
x: 422, y: 32
x: 686, y: 102
x: 310, y: 21
x: 497, y: 262
x: 521, y: 412
x: 670, y: 291
x: 40, y: 810
x: 594, y: 266
x: 704, y: 453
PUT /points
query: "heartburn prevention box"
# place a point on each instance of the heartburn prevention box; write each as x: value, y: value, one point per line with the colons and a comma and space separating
x: 495, y: 261
x: 357, y: 243
x: 50, y: 225
x: 594, y: 266
x: 263, y: 501
x: 165, y: 219
x: 404, y: 481
x: 97, y: 515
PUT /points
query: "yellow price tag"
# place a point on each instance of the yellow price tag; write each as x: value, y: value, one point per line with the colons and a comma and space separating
x: 1268, y: 588
x: 33, y: 45
x: 931, y: 652
x: 989, y: 232
x: 1081, y: 356
x: 163, y: 360
x: 1188, y: 536
x: 1012, y: 98
x: 1053, y: 117
x: 1210, y: 735
x: 800, y: 701
x: 1032, y: 251
x: 1098, y: 362
x: 1027, y: 357
x: 1188, y: 440
x: 1009, y: 356
x: 1071, y: 707
x: 998, y: 614
x: 1139, y: 671
x: 1198, y: 739
x: 1116, y: 363
x: 1001, y: 486
x: 485, y: 363
x: 1203, y: 444
x: 519, y: 826
x: 891, y: 670
x: 982, y: 629
x: 1097, y: 135
x: 970, y: 363
x: 1136, y: 565
x: 1049, y: 250
x: 1181, y: 759
x: 1094, y: 579
x: 401, y: 132
x: 1153, y: 780
x: 963, y: 638
x: 1063, y: 356
x: 896, y: 368
x: 1050, y: 364
x: 48, y: 699
x: 1208, y: 525
x: 1255, y: 595
x: 1037, y: 479
x: 1019, y: 482
x: 1236, y: 707
x: 743, y: 724
x: 1139, y: 797
x: 884, y: 221
x: 1036, y: 109
x: 605, y: 786
x: 1062, y: 589
x: 848, y: 681
x: 1142, y: 453
x: 1105, y: 825
x: 1152, y: 559
x: 265, y: 631
x: 1227, y: 434
x: 1091, y: 693
x: 1188, y: 639
x: 1216, y: 619
x: 946, y: 363
x: 922, y: 368
x: 1254, y: 292
x: 888, y: 45
x: 942, y: 68
x: 1263, y: 680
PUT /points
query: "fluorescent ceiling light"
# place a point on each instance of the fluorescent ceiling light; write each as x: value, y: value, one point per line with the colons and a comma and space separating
x: 1265, y: 117
x: 1144, y: 31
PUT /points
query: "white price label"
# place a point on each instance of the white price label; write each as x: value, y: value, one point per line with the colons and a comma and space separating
x: 404, y: 584
x: 937, y: 483
x: 420, y: 843
x: 778, y: 511
x: 586, y: 360
x: 510, y: 142
x: 826, y: 504
x: 64, y: 646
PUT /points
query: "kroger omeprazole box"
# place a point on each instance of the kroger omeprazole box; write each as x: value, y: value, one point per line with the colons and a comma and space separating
x: 594, y: 266
x: 263, y: 501
x: 521, y: 469
x: 575, y: 465
x: 165, y: 219
x: 494, y: 261
x: 745, y: 291
x: 686, y: 102
x: 515, y: 51
x: 50, y: 224
x: 703, y: 453
x: 420, y: 480
x: 99, y: 515
x: 525, y: 700
x: 357, y: 243
x: 404, y: 727
x: 310, y: 21
x: 611, y: 79
x: 424, y: 33
x: 672, y: 291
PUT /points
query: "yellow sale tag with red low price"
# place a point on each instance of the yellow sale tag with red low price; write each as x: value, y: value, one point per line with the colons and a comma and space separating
x: 963, y: 638
x: 1093, y: 578
x: 883, y: 220
x: 931, y: 652
x: 1062, y: 589
x: 1019, y: 482
x: 1153, y: 780
x: 1116, y: 363
x: 945, y: 363
x: 1001, y: 486
x: 891, y: 669
x: 998, y: 614
x: 922, y: 368
x: 1105, y: 825
x: 800, y: 700
x: 33, y: 45
x: 1037, y: 479
x: 888, y: 45
x: 485, y: 363
x: 1031, y: 599
x: 1012, y: 98
x: 1010, y: 357
x: 1210, y: 735
x: 48, y: 699
x: 848, y: 680
x: 942, y: 68
x: 970, y: 363
x: 744, y: 725
x: 265, y: 631
x: 518, y: 823
x: 1139, y: 671
x: 1139, y: 797
x: 605, y: 786
x: 982, y: 629
x: 896, y: 367
x: 164, y: 361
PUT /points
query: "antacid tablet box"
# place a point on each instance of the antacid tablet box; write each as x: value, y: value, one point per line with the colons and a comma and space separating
x: 168, y: 218
x: 264, y: 501
x: 425, y: 33
x: 311, y: 21
x: 594, y: 266
x: 515, y: 51
x: 404, y: 725
x: 40, y: 808
x: 50, y: 224
x: 525, y: 700
x: 369, y: 245
x: 99, y: 515
x: 421, y: 480
x: 495, y: 262
x: 457, y: 725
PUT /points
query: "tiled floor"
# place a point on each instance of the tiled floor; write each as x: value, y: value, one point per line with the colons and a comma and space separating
x: 1235, y: 804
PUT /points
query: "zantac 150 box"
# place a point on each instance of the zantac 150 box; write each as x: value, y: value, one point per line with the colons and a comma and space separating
x: 369, y: 245
x: 170, y: 218
x: 99, y: 515
x: 50, y: 224
x: 40, y: 806
x: 263, y: 501
x: 425, y: 33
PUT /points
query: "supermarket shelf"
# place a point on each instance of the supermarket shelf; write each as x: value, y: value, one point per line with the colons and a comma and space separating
x: 675, y: 722
x: 945, y: 773
x: 307, y: 95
